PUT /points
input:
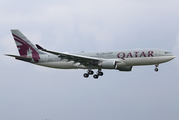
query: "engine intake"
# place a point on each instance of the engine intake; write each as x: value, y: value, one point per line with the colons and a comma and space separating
x: 109, y: 64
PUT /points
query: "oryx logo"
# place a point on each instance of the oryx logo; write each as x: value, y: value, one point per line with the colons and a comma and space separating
x: 25, y: 49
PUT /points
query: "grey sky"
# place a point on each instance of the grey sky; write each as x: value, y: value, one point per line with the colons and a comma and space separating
x: 29, y: 92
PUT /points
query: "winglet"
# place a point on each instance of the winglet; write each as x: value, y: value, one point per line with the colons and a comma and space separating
x: 39, y: 47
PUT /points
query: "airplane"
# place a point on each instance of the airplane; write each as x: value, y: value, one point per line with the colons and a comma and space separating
x: 117, y: 60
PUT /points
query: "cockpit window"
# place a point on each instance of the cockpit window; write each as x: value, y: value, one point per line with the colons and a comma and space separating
x: 167, y: 52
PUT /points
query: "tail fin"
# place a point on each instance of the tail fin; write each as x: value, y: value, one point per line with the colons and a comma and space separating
x: 25, y: 47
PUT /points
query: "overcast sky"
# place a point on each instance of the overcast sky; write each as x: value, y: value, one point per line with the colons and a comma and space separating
x: 29, y: 92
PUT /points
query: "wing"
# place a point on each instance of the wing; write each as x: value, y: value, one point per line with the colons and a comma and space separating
x: 83, y: 60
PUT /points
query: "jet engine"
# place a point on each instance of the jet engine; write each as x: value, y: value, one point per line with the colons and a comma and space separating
x: 112, y: 64
x: 109, y: 64
x: 126, y: 68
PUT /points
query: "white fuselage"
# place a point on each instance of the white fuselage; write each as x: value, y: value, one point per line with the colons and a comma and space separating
x: 122, y: 58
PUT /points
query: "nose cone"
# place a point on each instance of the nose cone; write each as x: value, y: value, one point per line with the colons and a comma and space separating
x: 172, y: 57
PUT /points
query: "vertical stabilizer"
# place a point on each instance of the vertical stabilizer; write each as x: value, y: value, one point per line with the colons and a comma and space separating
x: 25, y: 47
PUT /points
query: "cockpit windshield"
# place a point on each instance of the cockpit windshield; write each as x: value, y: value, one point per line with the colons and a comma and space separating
x: 167, y: 52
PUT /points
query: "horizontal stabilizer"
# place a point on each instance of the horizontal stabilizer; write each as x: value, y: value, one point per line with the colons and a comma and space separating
x: 20, y: 57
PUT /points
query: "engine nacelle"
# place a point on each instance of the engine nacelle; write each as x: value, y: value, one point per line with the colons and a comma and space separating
x: 109, y: 64
x: 126, y: 68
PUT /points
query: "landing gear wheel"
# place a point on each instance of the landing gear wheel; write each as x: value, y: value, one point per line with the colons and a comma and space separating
x: 86, y: 75
x: 90, y: 72
x: 100, y: 73
x: 95, y: 76
x: 156, y: 69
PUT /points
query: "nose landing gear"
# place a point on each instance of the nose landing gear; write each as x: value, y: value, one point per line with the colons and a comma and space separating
x: 156, y: 69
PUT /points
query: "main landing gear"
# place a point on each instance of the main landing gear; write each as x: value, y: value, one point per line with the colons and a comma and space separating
x: 89, y: 72
x: 156, y: 69
x: 95, y: 76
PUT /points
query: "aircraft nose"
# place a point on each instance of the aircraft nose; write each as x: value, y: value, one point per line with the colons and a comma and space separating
x: 172, y: 57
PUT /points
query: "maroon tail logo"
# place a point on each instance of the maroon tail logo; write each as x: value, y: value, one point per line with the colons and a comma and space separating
x: 25, y: 49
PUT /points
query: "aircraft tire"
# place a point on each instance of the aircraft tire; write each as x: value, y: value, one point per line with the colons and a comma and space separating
x: 95, y: 76
x: 156, y: 69
x: 90, y: 72
x: 86, y: 75
x: 100, y: 73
